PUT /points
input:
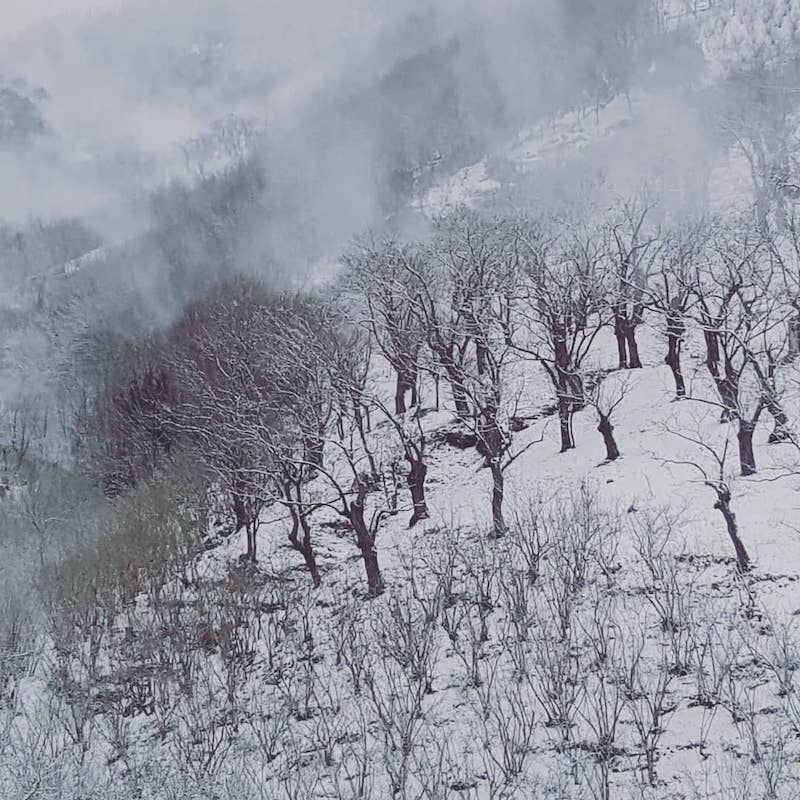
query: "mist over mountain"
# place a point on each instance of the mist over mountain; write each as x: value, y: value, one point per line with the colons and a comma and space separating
x: 181, y: 144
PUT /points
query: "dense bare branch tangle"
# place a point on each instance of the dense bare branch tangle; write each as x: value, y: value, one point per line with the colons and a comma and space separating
x: 670, y: 287
x: 563, y: 308
x: 478, y: 259
x: 743, y: 318
x: 632, y: 246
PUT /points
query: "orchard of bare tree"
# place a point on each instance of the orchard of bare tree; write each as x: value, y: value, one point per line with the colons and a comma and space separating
x: 400, y: 404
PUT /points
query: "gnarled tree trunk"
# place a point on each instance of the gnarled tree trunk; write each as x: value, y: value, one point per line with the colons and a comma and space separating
x: 499, y: 528
x: 607, y: 430
x: 747, y: 458
x: 569, y: 391
x: 251, y: 527
x: 723, y: 505
x: 302, y: 544
x: 675, y: 329
x: 416, y: 484
x: 366, y: 543
x: 633, y: 346
x: 406, y: 382
x: 622, y: 341
x: 726, y: 383
x: 565, y: 423
x: 625, y: 333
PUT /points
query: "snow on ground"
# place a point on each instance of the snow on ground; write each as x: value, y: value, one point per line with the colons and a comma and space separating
x: 562, y: 137
x: 652, y: 475
x: 647, y: 141
x: 647, y: 424
x: 464, y: 187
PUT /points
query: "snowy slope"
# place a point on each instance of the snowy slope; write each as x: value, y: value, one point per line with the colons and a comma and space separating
x: 701, y: 744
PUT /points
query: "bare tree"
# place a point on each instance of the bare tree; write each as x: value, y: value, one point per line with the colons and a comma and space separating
x: 410, y: 435
x: 784, y: 248
x: 670, y: 290
x: 743, y: 321
x: 433, y: 293
x: 322, y: 456
x: 228, y: 142
x: 563, y: 310
x: 225, y: 393
x: 377, y: 274
x: 605, y: 395
x: 476, y: 262
x: 631, y: 247
x: 759, y: 121
x: 716, y: 453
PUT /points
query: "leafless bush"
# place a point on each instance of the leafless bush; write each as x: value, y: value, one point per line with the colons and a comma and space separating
x: 649, y: 700
x: 351, y: 645
x: 584, y: 541
x: 529, y: 538
x: 398, y: 684
x: 556, y: 679
x: 434, y: 771
x: 670, y: 588
x: 427, y: 592
x: 203, y: 735
x: 329, y: 726
x: 605, y: 698
x: 509, y: 733
x: 767, y: 740
x: 519, y: 598
x: 19, y: 648
x: 354, y: 775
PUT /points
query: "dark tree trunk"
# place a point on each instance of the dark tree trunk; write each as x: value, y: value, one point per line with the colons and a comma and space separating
x: 794, y: 337
x: 400, y: 396
x: 304, y: 546
x: 455, y: 377
x: 726, y: 385
x: 446, y: 360
x: 239, y: 513
x: 416, y: 483
x: 622, y: 342
x: 311, y: 564
x: 673, y: 359
x: 712, y: 352
x: 781, y: 431
x: 313, y: 447
x: 729, y: 394
x: 723, y: 505
x: 366, y: 544
x: 481, y: 357
x: 459, y: 397
x: 747, y: 458
x: 406, y: 382
x: 252, y: 556
x: 565, y: 423
x: 607, y: 430
x: 358, y: 416
x: 247, y: 521
x: 499, y: 528
x: 492, y: 444
x: 633, y: 346
x: 569, y: 389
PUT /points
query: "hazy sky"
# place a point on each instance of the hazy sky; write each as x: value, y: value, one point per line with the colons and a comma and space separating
x: 19, y: 14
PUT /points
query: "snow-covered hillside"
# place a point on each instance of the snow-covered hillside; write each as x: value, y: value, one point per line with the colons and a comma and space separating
x: 606, y: 647
x: 426, y: 529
